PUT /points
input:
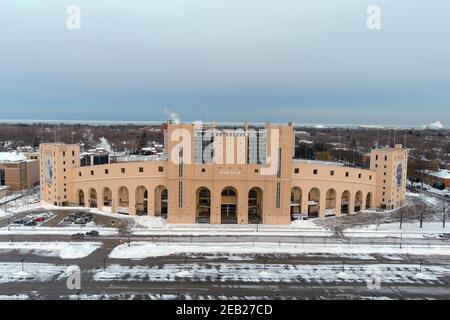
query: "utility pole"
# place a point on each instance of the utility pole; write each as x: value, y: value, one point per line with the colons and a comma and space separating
x: 444, y: 212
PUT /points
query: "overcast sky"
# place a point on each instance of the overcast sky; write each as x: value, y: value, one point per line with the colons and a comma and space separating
x: 310, y: 61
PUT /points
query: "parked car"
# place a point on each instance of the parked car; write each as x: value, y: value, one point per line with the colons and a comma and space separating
x: 77, y: 236
x: 31, y: 223
x: 20, y: 221
x: 80, y: 221
x: 92, y: 233
x: 39, y: 219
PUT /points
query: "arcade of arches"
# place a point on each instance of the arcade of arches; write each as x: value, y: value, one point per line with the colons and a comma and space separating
x: 305, y: 203
x: 336, y: 202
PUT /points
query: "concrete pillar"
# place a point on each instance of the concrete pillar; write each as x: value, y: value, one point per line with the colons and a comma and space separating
x: 150, y: 203
x: 322, y: 204
x: 351, y: 205
x: 242, y: 214
x: 132, y: 201
x: 304, y: 208
x: 114, y: 201
x: 215, y: 212
x: 338, y: 204
x: 100, y: 197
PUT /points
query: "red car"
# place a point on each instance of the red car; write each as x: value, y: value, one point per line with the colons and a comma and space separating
x: 40, y: 219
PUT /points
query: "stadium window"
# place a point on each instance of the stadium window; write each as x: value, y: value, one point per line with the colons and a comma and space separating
x: 332, y: 173
x: 122, y: 170
x: 106, y: 171
x: 315, y: 171
x: 161, y: 169
x: 297, y: 170
x: 141, y: 169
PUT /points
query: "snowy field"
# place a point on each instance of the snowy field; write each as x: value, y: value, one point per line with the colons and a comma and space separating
x: 409, y: 230
x: 275, y: 273
x: 142, y: 250
x: 23, y: 230
x: 63, y: 250
x: 152, y: 226
x: 32, y: 272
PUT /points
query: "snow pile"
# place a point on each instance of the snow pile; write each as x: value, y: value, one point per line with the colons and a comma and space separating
x: 150, y: 222
x: 434, y: 126
x: 143, y: 250
x: 63, y: 250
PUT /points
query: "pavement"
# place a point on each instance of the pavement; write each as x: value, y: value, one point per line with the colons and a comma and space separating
x: 232, y: 276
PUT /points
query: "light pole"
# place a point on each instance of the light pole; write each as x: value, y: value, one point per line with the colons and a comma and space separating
x: 22, y: 260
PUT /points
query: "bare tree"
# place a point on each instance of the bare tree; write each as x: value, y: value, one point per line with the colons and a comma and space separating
x: 442, y: 211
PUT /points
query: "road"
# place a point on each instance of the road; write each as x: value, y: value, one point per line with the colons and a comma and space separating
x: 144, y: 287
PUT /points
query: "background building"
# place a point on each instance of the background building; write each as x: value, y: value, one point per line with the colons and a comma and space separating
x: 224, y: 175
x: 17, y: 171
x: 439, y: 178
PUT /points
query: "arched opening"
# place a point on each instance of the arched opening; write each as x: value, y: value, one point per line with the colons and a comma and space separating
x: 296, y: 203
x: 124, y: 200
x: 161, y: 201
x: 345, y: 202
x: 358, y: 201
x: 92, y: 198
x: 330, y: 208
x: 369, y: 201
x: 255, y: 205
x: 81, y: 198
x: 141, y: 201
x: 107, y: 197
x: 203, y: 205
x: 228, y: 207
x: 314, y: 203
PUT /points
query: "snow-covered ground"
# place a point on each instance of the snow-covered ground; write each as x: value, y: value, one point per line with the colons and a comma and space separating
x: 275, y: 273
x: 15, y: 297
x: 23, y: 230
x: 429, y: 188
x: 409, y: 230
x: 63, y: 250
x: 32, y: 272
x: 142, y: 250
x: 152, y: 226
